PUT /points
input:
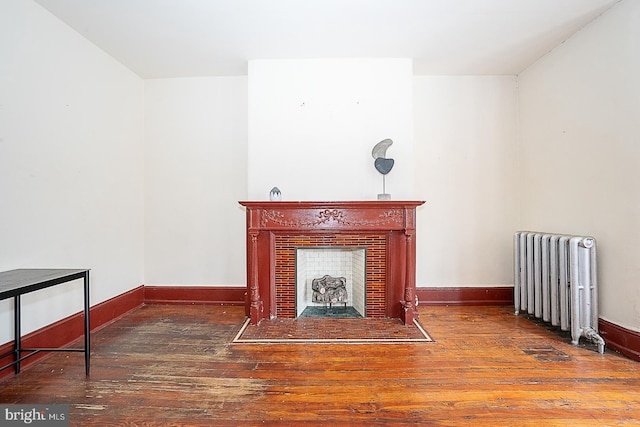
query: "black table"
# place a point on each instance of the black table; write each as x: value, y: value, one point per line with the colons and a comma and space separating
x: 14, y: 283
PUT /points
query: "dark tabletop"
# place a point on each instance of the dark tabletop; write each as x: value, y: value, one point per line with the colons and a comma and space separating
x: 22, y: 281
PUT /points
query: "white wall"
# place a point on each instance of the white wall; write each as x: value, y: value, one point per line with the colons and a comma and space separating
x: 71, y: 181
x: 579, y: 119
x: 80, y: 189
x: 195, y: 173
x: 313, y: 124
x: 465, y: 169
x: 463, y: 158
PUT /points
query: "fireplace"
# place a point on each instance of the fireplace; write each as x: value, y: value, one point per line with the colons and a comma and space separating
x: 383, y: 230
x: 330, y: 281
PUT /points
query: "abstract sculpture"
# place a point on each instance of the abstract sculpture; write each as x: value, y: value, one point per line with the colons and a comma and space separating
x: 382, y: 164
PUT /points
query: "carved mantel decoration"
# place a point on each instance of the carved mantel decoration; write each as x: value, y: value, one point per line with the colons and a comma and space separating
x: 387, y: 228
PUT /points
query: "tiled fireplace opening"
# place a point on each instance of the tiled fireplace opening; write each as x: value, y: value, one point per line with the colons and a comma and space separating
x: 343, y: 266
x: 373, y: 248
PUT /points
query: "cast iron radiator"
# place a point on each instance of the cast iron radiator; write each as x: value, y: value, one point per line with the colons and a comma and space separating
x: 555, y: 279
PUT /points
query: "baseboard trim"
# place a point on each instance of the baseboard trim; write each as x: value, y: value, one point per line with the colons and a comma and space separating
x: 622, y: 340
x: 215, y: 295
x: 502, y: 295
x: 114, y: 308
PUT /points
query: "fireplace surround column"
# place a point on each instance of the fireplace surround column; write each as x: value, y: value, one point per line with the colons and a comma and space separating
x: 387, y: 226
x: 410, y: 312
x: 255, y: 304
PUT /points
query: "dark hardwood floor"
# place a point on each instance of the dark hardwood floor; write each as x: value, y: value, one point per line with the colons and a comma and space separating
x: 174, y: 365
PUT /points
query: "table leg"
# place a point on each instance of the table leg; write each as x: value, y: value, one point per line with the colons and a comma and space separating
x: 17, y: 333
x: 87, y: 325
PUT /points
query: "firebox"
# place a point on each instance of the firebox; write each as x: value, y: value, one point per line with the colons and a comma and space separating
x: 329, y: 279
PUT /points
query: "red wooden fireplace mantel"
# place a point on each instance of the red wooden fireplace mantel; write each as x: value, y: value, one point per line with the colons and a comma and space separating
x: 390, y: 224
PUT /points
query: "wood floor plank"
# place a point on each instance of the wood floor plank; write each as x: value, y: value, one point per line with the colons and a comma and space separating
x: 176, y: 366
